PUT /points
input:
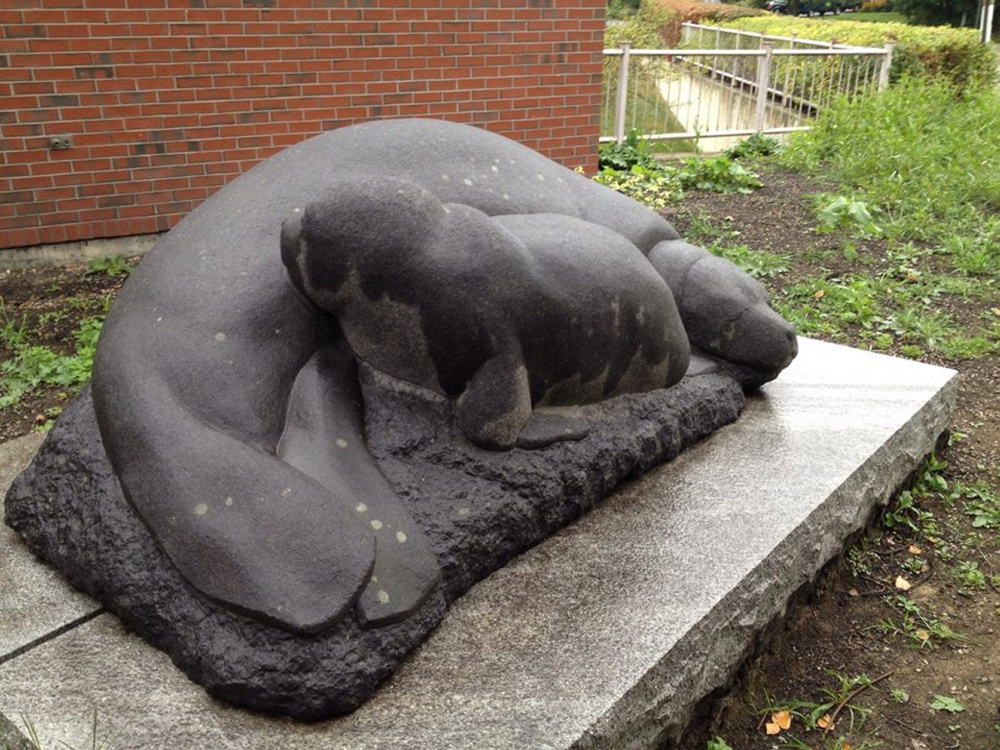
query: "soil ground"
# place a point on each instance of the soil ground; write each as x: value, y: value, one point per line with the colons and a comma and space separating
x: 854, y: 623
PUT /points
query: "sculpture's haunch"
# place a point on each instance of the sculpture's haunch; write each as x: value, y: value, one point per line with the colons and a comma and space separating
x: 227, y: 401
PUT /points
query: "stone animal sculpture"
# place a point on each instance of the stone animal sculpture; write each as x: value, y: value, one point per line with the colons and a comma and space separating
x: 226, y: 379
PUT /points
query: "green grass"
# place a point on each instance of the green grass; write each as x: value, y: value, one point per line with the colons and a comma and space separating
x: 924, y: 154
x: 869, y: 17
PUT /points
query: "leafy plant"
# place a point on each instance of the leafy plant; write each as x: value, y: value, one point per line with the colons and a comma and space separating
x: 720, y: 173
x: 946, y: 703
x: 33, y: 366
x: 717, y: 743
x: 757, y: 144
x: 655, y: 189
x: 982, y: 504
x: 969, y: 577
x: 115, y: 265
x: 840, y: 212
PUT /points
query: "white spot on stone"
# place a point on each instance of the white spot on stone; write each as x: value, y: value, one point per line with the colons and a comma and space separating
x: 463, y: 511
x: 200, y: 509
x: 220, y: 336
x: 286, y: 492
x: 446, y: 209
x: 445, y: 177
x: 361, y: 507
x: 374, y: 579
x: 467, y: 181
x: 340, y: 443
x: 296, y: 210
x: 383, y: 596
x: 400, y: 537
x: 229, y: 502
x: 376, y: 524
x: 506, y: 197
x: 540, y: 177
x: 495, y: 168
x: 159, y: 319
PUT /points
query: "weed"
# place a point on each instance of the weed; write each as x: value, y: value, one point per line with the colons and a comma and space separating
x: 916, y: 626
x: 899, y: 695
x: 982, y: 504
x: 946, y: 703
x: 757, y: 144
x: 634, y: 151
x: 717, y: 743
x: 115, y: 265
x: 96, y: 742
x: 654, y: 189
x: 720, y: 174
x: 969, y: 577
x: 757, y: 263
x: 34, y: 366
x: 844, y: 213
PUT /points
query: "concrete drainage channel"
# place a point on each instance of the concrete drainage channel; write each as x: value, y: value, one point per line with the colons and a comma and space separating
x: 607, y: 635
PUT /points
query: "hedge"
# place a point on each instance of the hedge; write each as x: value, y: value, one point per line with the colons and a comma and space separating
x: 658, y: 22
x: 954, y: 54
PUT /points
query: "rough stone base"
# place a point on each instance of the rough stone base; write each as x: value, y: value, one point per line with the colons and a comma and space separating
x: 605, y: 635
x: 478, y: 508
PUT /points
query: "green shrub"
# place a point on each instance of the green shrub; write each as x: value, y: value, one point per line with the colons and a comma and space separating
x: 952, y: 53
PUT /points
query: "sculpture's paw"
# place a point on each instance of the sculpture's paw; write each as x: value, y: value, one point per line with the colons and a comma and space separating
x: 323, y: 438
x: 553, y: 425
x: 496, y: 403
x: 726, y: 313
x: 405, y: 573
x: 258, y: 536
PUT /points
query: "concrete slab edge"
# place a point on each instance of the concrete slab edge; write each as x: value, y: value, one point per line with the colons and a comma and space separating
x: 659, y: 709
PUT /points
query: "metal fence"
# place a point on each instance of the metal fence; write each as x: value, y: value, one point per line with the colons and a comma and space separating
x: 726, y: 83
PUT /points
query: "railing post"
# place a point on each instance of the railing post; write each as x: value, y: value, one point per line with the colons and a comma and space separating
x: 883, y: 74
x: 763, y: 77
x: 622, y: 94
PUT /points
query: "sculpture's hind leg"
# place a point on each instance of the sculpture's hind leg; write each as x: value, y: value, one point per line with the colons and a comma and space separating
x: 324, y: 439
x: 241, y: 525
x: 496, y: 403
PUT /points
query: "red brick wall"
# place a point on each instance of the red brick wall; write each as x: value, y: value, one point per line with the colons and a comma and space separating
x: 166, y: 100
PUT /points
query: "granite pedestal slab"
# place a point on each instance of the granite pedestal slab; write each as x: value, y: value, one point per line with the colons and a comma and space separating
x: 605, y: 635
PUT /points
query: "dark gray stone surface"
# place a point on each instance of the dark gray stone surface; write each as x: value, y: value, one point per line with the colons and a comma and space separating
x: 199, y: 358
x: 476, y: 508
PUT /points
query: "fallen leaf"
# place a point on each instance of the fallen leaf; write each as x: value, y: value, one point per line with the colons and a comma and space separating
x: 915, y: 550
x: 853, y: 592
x: 845, y: 746
x: 771, y: 728
x: 902, y: 584
x: 783, y: 719
x: 825, y: 723
x: 820, y: 294
x: 996, y: 310
x: 923, y: 635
